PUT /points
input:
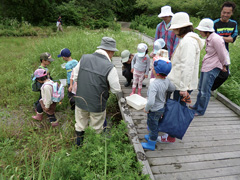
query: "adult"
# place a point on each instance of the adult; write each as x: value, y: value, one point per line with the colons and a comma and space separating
x: 126, y: 58
x: 213, y: 62
x: 227, y: 28
x: 185, y: 60
x: 162, y: 30
x: 59, y: 24
x: 95, y: 75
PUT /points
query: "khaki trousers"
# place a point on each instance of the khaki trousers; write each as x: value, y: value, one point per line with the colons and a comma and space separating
x: 95, y: 120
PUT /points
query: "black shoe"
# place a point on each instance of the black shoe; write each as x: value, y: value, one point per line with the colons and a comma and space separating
x: 127, y: 84
x: 80, y: 137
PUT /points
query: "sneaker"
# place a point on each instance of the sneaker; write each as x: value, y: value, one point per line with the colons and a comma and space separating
x: 166, y: 139
x: 54, y: 124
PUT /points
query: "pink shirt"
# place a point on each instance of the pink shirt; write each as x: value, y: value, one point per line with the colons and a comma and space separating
x: 216, y: 53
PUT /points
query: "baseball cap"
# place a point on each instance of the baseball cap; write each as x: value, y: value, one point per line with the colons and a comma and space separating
x: 162, y: 66
x: 141, y: 49
x: 158, y: 44
x: 125, y: 56
x: 39, y: 73
x: 46, y: 56
x: 65, y: 53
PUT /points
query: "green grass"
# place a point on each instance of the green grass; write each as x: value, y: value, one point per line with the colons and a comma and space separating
x: 34, y: 150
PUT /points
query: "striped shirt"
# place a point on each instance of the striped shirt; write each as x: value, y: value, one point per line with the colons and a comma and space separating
x: 157, y: 94
x: 169, y: 37
x: 226, y: 29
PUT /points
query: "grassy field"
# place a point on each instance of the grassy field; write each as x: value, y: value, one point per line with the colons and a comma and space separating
x: 34, y: 150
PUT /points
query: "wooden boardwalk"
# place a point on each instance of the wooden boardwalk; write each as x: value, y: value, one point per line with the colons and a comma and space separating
x: 210, y: 148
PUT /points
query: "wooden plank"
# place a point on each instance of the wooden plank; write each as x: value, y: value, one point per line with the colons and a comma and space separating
x: 183, y: 167
x: 193, y: 158
x: 200, y: 174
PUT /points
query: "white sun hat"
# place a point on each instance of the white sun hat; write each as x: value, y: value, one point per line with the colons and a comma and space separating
x: 158, y: 44
x: 206, y: 24
x: 165, y: 11
x: 180, y: 20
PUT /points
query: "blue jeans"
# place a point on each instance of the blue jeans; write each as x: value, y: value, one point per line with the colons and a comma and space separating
x: 176, y: 96
x: 204, y: 90
x: 152, y: 122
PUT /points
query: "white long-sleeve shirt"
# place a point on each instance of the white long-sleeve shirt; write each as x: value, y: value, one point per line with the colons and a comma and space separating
x: 112, y: 77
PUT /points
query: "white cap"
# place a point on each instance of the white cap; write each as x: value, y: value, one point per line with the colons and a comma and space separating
x: 158, y: 44
x: 206, y: 24
x: 141, y: 49
x: 165, y: 11
x: 180, y: 20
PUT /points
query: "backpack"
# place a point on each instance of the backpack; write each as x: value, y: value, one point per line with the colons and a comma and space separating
x: 58, y: 91
x: 35, y: 85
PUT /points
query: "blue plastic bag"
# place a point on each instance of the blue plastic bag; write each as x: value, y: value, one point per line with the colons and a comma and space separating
x: 176, y: 119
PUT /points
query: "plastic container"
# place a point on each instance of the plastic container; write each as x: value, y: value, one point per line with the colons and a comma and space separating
x: 63, y: 81
x: 136, y: 101
x: 63, y: 65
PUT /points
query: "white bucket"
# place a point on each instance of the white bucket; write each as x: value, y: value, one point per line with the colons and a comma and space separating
x: 63, y: 81
x: 136, y: 101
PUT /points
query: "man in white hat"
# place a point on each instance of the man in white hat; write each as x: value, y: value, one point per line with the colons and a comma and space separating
x: 95, y: 76
x: 162, y: 31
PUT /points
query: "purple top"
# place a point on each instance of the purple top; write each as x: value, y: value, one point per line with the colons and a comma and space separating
x: 216, y: 53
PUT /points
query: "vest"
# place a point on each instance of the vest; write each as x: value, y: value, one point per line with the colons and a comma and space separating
x: 92, y: 85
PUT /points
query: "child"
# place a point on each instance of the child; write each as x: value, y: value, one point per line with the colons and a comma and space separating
x: 126, y: 58
x: 71, y: 63
x: 140, y: 67
x: 45, y: 103
x: 156, y: 100
x: 45, y: 59
x: 158, y: 45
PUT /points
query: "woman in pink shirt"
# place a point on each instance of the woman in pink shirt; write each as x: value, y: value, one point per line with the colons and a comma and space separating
x: 214, y: 61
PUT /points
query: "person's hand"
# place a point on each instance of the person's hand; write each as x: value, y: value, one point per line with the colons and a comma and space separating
x: 224, y: 69
x: 132, y: 70
x: 146, y: 76
x: 145, y: 111
x: 46, y: 109
x: 183, y: 93
x: 152, y: 55
x: 70, y: 89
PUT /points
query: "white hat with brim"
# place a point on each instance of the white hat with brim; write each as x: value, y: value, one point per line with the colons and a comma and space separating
x: 180, y: 20
x: 108, y: 43
x: 141, y: 49
x: 165, y: 11
x: 206, y: 25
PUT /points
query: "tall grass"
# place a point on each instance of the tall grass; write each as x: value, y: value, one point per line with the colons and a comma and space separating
x: 34, y: 150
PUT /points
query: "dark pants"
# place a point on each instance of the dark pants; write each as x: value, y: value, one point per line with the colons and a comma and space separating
x: 52, y: 117
x: 128, y: 75
x: 153, y: 119
x: 71, y: 99
x: 220, y: 79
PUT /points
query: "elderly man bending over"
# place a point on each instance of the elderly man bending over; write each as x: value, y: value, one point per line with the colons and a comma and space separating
x: 95, y: 75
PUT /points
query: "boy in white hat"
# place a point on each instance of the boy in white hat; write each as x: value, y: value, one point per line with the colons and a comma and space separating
x: 162, y: 30
x: 140, y: 67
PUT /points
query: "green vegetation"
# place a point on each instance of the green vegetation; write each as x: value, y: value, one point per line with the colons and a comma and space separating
x: 34, y: 150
